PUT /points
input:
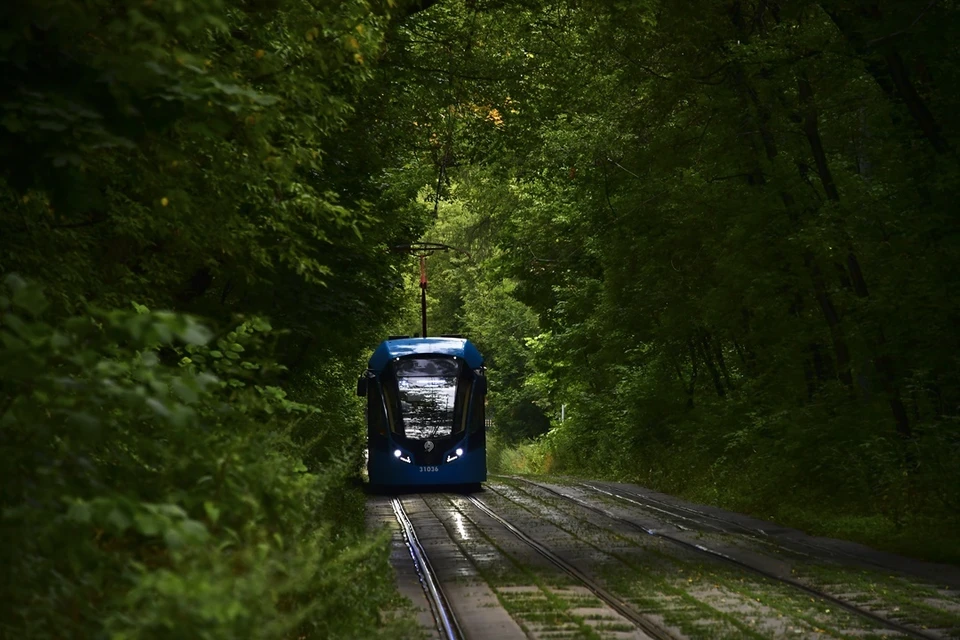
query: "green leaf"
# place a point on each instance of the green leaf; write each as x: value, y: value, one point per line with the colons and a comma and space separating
x: 30, y: 298
x: 213, y: 513
x: 149, y: 524
x: 80, y: 512
x: 117, y: 520
x: 195, y: 333
x: 194, y: 532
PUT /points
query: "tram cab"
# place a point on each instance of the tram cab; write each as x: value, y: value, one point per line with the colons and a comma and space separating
x: 425, y: 412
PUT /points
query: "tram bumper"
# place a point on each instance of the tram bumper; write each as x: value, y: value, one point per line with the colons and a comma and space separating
x: 384, y: 468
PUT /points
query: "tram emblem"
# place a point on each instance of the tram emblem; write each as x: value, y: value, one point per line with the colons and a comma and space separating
x: 428, y: 446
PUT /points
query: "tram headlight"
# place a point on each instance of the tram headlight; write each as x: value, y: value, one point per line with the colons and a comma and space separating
x: 397, y: 453
x: 459, y: 452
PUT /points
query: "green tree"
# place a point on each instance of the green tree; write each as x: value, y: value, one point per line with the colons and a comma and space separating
x: 732, y: 223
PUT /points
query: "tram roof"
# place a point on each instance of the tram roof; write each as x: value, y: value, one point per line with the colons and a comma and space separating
x: 439, y: 346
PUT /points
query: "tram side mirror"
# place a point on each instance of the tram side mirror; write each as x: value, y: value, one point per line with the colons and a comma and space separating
x: 362, y: 386
x: 481, y: 385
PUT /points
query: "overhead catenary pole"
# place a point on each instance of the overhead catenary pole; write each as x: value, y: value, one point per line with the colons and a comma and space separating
x: 423, y: 250
x: 423, y: 295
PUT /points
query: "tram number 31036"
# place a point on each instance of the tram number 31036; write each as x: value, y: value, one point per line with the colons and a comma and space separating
x: 429, y: 469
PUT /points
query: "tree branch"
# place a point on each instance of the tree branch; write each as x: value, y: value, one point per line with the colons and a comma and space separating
x: 416, y: 6
x: 71, y: 225
x: 895, y: 34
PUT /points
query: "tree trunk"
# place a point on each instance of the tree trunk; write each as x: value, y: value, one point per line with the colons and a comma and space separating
x: 704, y: 349
x: 840, y: 349
x: 194, y: 287
x: 688, y: 387
x: 890, y: 73
x: 821, y: 292
x: 721, y: 361
x: 811, y: 128
x: 883, y: 362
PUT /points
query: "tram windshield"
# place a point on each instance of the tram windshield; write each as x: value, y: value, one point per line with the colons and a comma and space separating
x: 427, y: 388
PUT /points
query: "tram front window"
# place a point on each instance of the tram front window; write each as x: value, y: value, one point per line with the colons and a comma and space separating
x: 427, y: 388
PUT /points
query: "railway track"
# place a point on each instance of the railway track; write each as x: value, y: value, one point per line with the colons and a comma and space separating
x: 725, y: 525
x: 615, y: 603
x: 443, y: 615
x: 704, y: 550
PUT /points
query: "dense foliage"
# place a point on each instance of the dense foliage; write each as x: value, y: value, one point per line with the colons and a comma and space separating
x: 144, y: 500
x: 722, y: 234
x: 718, y: 236
x: 190, y: 472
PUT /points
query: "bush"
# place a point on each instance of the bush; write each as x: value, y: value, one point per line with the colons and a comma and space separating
x: 148, y: 489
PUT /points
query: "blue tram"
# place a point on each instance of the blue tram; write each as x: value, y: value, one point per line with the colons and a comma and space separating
x: 425, y: 412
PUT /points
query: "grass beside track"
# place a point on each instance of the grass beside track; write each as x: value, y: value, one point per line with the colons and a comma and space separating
x: 923, y: 538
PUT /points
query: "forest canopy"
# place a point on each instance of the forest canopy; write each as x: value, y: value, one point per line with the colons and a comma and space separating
x: 718, y: 237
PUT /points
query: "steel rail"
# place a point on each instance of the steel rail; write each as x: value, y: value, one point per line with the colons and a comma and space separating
x: 443, y: 614
x: 613, y: 601
x: 764, y: 537
x: 699, y: 517
x: 852, y: 608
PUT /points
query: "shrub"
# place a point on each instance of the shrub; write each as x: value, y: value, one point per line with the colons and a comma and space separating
x: 148, y: 489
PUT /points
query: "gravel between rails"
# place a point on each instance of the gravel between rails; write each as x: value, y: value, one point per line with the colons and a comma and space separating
x: 701, y: 548
x: 618, y: 605
x: 443, y: 614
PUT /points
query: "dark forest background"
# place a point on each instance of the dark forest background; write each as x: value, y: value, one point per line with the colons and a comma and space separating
x: 722, y: 235
x: 720, y: 238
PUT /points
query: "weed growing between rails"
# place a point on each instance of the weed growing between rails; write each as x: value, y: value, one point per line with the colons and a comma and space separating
x: 541, y: 599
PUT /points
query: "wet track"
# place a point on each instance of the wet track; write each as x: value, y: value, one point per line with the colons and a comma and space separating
x: 527, y: 559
